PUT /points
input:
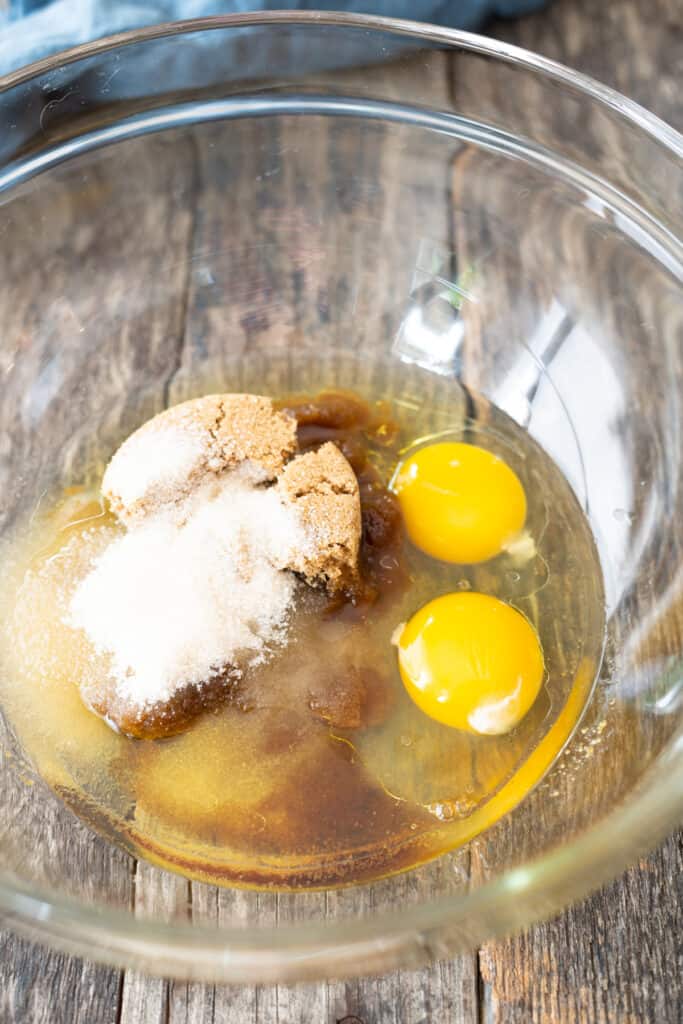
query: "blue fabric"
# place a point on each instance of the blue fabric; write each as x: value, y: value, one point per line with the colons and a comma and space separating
x: 31, y: 29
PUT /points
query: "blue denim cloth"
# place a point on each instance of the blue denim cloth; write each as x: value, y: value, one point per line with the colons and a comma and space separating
x: 31, y: 29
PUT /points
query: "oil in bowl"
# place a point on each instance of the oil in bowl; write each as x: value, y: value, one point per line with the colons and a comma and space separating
x: 332, y: 762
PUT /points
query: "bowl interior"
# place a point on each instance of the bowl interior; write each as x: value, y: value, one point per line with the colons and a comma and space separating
x: 165, y: 238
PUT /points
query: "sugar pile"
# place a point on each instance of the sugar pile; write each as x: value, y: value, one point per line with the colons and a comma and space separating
x: 162, y: 462
x: 220, y: 512
x: 178, y: 597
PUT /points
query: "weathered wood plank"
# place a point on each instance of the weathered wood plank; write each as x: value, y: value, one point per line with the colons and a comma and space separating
x: 616, y: 957
x: 56, y: 340
x: 161, y: 894
x: 38, y: 986
x: 445, y: 992
x: 248, y: 297
x: 563, y: 971
x: 635, y: 46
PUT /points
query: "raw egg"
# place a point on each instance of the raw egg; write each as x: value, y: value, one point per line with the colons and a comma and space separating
x: 472, y: 662
x: 460, y: 503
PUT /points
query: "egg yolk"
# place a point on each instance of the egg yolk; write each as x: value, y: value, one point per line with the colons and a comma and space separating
x: 472, y: 662
x: 460, y: 503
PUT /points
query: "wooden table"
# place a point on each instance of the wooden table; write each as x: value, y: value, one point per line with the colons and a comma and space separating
x: 617, y: 957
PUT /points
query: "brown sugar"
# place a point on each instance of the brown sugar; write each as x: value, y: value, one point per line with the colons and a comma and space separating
x: 354, y: 698
x: 171, y: 455
x: 168, y: 717
x: 168, y: 457
x: 358, y: 429
x: 323, y: 490
x: 225, y: 498
x: 217, y: 522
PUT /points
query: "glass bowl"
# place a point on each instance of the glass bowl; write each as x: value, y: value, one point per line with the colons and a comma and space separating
x: 184, y: 203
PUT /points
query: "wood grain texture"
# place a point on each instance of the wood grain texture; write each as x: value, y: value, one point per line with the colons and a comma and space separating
x: 48, y: 986
x: 261, y: 296
x: 634, y: 46
x: 615, y: 958
x: 39, y: 986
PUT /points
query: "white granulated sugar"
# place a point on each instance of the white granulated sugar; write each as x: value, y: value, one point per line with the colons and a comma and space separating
x: 172, y: 603
x: 163, y: 458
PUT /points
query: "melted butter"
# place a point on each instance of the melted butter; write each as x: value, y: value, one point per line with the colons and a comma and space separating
x: 325, y: 773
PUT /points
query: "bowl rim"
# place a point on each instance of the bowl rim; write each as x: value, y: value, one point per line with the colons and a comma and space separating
x: 516, y: 898
x: 628, y: 108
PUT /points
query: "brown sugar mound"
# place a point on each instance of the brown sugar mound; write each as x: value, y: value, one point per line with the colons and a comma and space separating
x: 227, y: 463
x: 352, y: 699
x: 323, y: 490
x: 168, y: 457
x: 169, y: 717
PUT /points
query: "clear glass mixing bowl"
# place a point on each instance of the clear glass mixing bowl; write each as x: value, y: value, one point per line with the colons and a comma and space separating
x: 183, y: 202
